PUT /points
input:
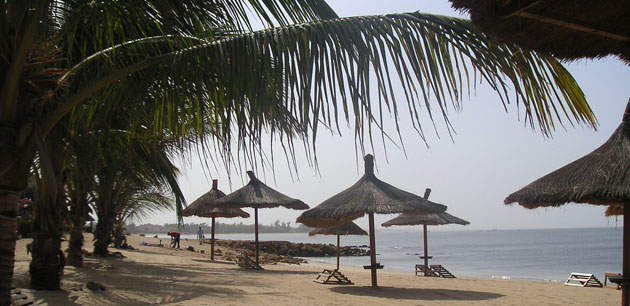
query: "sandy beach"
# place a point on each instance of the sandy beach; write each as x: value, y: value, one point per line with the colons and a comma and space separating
x: 161, y: 275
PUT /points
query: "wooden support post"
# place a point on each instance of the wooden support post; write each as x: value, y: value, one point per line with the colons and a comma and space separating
x: 256, y: 226
x: 212, y: 241
x: 426, y: 251
x: 338, y: 252
x: 625, y: 269
x: 372, y: 250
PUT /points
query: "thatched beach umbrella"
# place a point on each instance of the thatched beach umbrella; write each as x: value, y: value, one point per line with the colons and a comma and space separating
x: 349, y: 228
x: 442, y: 218
x: 568, y: 29
x: 368, y: 196
x: 257, y: 195
x: 202, y: 207
x: 601, y: 177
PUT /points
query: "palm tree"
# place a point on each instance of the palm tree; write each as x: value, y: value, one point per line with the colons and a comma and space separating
x: 129, y: 175
x: 78, y: 186
x: 314, y: 69
x: 144, y: 201
x: 49, y: 210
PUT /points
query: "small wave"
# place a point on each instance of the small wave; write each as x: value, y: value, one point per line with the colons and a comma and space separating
x: 505, y: 277
x: 501, y: 277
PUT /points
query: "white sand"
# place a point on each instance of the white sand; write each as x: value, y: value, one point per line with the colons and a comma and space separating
x: 160, y: 275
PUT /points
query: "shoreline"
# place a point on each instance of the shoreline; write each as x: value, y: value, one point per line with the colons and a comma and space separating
x: 160, y: 275
x: 539, y: 257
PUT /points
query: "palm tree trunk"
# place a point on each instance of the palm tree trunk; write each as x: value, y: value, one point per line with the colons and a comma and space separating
x: 15, y: 162
x: 103, y: 235
x: 47, y: 259
x: 75, y: 247
x: 8, y: 232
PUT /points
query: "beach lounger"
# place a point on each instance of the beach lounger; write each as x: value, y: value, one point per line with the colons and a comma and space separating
x: 425, y: 271
x: 441, y: 271
x: 332, y: 277
x: 583, y: 280
x: 609, y: 274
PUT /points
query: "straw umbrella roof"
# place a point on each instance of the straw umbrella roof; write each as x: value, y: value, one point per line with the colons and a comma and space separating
x: 203, y: 206
x: 258, y: 195
x: 349, y: 228
x: 368, y: 195
x: 600, y: 177
x: 568, y: 29
x: 428, y: 219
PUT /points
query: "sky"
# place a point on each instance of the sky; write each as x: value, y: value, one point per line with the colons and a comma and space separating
x: 492, y: 154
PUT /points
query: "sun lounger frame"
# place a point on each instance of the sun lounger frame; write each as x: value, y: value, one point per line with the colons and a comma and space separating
x: 433, y: 271
x: 583, y: 280
x: 334, y: 276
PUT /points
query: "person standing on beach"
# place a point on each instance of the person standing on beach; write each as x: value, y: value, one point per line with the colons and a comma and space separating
x: 174, y: 239
x: 200, y: 236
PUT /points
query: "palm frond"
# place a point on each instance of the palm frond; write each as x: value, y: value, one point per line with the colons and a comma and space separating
x: 289, y: 79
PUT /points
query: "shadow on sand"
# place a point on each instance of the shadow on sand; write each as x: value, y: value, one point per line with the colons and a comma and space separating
x: 156, y: 284
x: 220, y: 262
x: 417, y: 293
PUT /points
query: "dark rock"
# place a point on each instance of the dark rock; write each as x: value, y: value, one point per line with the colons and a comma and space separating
x: 95, y: 286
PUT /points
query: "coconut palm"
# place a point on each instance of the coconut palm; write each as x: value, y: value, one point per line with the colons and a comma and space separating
x: 63, y: 56
x: 78, y: 186
x: 145, y: 201
x: 129, y: 176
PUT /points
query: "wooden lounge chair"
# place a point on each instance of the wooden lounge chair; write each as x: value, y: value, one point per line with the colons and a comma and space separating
x: 441, y: 271
x: 609, y: 274
x: 247, y: 263
x: 425, y: 271
x: 332, y: 277
x: 583, y: 280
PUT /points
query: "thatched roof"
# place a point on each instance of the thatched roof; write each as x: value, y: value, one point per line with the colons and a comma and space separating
x: 368, y: 195
x: 567, y: 29
x: 349, y: 228
x: 202, y: 205
x: 258, y: 195
x: 222, y: 212
x: 600, y: 178
x: 428, y: 219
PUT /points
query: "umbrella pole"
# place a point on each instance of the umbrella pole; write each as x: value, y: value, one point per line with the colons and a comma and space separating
x: 338, y: 252
x: 426, y: 250
x: 212, y: 241
x: 372, y: 250
x: 625, y: 269
x: 256, y: 229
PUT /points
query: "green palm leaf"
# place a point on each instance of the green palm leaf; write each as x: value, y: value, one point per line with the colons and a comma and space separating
x: 290, y: 79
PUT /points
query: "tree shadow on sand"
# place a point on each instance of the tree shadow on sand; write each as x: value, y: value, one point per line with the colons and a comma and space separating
x: 417, y: 293
x: 149, y: 283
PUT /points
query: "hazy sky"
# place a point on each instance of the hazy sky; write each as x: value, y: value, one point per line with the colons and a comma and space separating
x: 492, y: 155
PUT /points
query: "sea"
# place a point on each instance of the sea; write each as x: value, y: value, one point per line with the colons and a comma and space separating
x: 534, y: 254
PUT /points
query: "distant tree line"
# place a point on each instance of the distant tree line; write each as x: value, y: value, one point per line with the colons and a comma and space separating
x: 221, y: 228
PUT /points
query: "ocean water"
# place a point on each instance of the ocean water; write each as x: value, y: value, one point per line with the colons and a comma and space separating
x: 540, y: 254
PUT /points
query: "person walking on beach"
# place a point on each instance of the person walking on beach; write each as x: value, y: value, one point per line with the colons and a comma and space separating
x: 200, y: 236
x: 174, y: 239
